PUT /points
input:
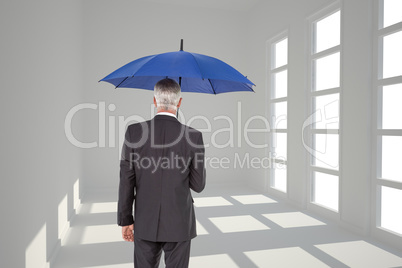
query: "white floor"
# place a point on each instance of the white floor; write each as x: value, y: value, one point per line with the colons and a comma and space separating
x: 236, y: 228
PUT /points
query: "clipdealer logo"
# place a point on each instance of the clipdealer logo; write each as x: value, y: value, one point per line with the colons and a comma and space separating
x: 116, y: 126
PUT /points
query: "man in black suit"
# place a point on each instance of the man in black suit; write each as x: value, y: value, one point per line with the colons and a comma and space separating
x: 161, y: 161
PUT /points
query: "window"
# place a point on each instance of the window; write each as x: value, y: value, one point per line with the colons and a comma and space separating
x: 388, y: 126
x: 277, y: 50
x: 324, y: 95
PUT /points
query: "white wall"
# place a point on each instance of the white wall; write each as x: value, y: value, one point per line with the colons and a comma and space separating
x: 41, y: 79
x: 356, y: 122
x: 117, y: 32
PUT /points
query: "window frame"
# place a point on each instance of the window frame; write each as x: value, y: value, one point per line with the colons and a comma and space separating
x: 270, y: 56
x: 311, y: 94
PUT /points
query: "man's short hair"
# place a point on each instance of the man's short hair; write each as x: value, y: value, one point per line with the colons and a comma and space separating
x: 167, y: 93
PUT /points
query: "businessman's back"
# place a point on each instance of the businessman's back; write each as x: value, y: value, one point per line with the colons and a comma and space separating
x: 161, y: 160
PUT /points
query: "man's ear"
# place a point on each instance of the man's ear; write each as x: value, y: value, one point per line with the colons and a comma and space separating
x: 155, y: 102
x: 178, y: 105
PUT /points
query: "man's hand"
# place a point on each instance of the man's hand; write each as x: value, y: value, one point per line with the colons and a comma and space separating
x: 127, y: 232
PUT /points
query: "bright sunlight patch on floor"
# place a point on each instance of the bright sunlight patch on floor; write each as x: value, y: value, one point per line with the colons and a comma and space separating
x: 105, y: 207
x: 253, y: 199
x: 293, y: 219
x: 200, y: 229
x: 238, y: 224
x: 101, y: 234
x: 211, y: 202
x: 284, y: 257
x: 361, y: 254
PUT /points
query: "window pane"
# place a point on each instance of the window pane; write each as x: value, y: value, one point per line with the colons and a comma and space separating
x: 392, y: 12
x: 391, y: 107
x: 327, y: 72
x: 326, y: 190
x: 391, y: 212
x: 392, y: 55
x: 326, y: 150
x: 328, y: 32
x: 391, y: 158
x: 281, y: 53
x: 279, y: 145
x: 279, y: 181
x: 279, y: 115
x: 280, y: 84
x: 327, y: 112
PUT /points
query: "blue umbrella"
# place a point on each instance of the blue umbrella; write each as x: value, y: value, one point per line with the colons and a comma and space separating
x: 194, y: 72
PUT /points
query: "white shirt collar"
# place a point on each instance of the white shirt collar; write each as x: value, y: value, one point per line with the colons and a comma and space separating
x: 166, y: 113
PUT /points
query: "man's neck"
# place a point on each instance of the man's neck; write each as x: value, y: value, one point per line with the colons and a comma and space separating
x: 166, y: 111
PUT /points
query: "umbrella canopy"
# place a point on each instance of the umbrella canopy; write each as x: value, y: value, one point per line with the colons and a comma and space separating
x: 194, y: 72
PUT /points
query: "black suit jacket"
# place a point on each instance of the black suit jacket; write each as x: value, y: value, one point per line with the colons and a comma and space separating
x: 161, y: 161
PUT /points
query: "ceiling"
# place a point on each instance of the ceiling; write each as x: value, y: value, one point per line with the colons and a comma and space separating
x: 234, y: 5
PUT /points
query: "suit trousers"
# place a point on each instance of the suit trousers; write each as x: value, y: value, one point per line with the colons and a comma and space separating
x: 147, y: 254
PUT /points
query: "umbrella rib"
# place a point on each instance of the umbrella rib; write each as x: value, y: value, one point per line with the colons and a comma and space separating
x: 121, y: 82
x: 212, y: 86
x: 202, y: 75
